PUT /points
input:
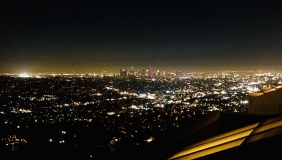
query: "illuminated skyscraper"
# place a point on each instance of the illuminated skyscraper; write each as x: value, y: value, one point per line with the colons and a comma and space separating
x: 143, y: 72
x: 178, y: 74
x: 131, y: 71
x: 123, y: 73
x: 158, y: 73
x: 150, y: 71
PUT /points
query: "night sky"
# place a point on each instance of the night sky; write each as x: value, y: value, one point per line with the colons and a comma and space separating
x: 86, y: 36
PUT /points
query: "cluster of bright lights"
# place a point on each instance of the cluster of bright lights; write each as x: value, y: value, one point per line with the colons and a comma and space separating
x: 62, y: 141
x: 110, y: 113
x: 149, y: 139
x: 252, y: 89
x: 24, y: 75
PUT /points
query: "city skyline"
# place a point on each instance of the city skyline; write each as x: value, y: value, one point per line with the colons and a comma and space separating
x: 86, y: 37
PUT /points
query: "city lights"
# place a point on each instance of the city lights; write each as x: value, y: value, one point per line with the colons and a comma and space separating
x: 24, y: 75
x: 127, y: 108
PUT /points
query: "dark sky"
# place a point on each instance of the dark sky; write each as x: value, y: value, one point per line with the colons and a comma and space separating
x: 86, y: 36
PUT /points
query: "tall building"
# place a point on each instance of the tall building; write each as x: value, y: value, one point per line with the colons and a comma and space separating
x: 143, y: 72
x: 131, y: 72
x: 158, y: 73
x: 178, y: 74
x: 150, y: 71
x: 123, y: 73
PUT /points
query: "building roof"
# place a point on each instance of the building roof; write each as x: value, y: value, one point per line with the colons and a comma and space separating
x: 213, y: 134
x: 233, y: 139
